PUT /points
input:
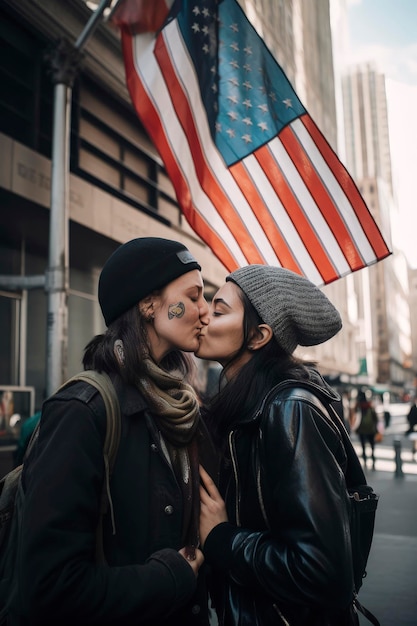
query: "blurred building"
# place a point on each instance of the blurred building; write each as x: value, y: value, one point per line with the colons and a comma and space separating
x: 413, y: 307
x: 382, y: 290
x: 298, y: 33
x: 367, y: 143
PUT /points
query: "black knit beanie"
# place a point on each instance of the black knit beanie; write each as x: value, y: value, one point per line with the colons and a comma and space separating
x: 137, y: 268
x: 296, y: 310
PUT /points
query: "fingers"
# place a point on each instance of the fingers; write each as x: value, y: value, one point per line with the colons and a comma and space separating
x: 199, y: 557
x: 196, y: 563
x: 212, y: 509
x: 205, y: 496
x: 209, y: 484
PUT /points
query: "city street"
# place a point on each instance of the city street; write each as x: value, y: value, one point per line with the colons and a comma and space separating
x: 390, y: 588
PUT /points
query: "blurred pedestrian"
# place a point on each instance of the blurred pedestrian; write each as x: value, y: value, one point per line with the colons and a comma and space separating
x: 412, y: 417
x: 368, y: 426
x: 26, y: 433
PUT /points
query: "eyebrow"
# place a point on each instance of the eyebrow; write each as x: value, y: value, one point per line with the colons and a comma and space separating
x: 221, y: 301
x: 196, y: 286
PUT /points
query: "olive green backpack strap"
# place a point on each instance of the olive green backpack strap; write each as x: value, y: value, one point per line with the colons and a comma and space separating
x: 104, y: 385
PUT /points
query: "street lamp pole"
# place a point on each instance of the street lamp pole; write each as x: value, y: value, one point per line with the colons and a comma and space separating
x: 64, y: 59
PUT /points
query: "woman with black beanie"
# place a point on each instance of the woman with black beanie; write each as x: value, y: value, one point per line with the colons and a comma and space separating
x: 151, y: 296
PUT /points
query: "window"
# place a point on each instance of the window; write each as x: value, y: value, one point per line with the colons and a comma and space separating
x: 27, y: 92
x: 111, y: 149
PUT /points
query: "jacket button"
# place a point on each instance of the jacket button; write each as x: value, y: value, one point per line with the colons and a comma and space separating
x: 195, y: 609
x: 154, y: 447
x: 169, y: 509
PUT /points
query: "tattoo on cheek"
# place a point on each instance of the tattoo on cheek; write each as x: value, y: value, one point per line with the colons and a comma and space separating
x: 176, y: 310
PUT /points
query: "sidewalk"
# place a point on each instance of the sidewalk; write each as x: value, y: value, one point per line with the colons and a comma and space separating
x: 390, y: 588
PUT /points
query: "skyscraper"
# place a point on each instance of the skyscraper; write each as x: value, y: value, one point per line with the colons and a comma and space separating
x: 366, y: 125
x: 382, y: 290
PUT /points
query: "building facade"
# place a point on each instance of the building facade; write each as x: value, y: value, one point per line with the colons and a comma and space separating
x: 412, y: 281
x: 367, y: 142
x: 382, y: 290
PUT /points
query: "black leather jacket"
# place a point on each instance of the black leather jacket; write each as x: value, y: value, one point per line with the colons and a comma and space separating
x: 284, y: 557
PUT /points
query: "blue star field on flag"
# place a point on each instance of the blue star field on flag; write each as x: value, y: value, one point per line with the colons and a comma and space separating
x: 247, y: 96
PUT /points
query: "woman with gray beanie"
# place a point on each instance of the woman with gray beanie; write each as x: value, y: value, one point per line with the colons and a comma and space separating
x: 275, y: 532
x: 151, y: 296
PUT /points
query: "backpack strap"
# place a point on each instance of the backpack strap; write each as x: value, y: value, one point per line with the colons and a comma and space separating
x: 102, y: 382
x: 354, y: 474
x: 366, y: 613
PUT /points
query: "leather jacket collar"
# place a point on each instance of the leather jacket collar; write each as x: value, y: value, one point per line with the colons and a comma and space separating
x: 316, y: 384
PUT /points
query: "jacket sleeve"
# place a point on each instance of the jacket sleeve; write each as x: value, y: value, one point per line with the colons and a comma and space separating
x: 305, y: 556
x: 59, y: 581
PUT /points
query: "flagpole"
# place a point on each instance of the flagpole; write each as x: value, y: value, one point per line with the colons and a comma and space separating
x: 64, y: 59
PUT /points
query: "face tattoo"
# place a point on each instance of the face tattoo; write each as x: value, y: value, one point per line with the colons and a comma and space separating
x: 176, y: 310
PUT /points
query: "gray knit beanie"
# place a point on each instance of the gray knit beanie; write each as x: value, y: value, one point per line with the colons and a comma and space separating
x: 296, y: 310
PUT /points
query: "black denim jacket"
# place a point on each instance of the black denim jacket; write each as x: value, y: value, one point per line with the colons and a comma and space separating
x: 145, y: 580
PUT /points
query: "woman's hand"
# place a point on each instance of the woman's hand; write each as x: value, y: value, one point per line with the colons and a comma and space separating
x: 196, y: 562
x: 212, y: 506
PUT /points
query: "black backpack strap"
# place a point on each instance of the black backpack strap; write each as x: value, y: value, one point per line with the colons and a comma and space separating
x: 102, y: 382
x: 361, y: 493
x: 354, y: 474
x: 366, y: 613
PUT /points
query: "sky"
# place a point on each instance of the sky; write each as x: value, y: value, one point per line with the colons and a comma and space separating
x: 385, y: 32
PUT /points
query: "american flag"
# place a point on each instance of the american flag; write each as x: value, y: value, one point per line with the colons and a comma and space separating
x: 253, y: 175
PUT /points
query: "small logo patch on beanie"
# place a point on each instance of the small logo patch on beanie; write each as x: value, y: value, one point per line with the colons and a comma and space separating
x: 185, y: 257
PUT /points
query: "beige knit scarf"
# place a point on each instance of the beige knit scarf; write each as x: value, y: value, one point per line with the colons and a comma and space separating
x: 177, y: 413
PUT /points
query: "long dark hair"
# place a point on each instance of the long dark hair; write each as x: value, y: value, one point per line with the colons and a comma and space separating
x: 130, y: 327
x: 240, y: 396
